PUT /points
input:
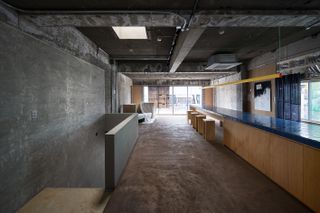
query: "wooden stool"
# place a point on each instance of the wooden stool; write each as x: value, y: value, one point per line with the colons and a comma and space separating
x: 193, y: 118
x: 209, y: 130
x: 199, y: 121
x: 189, y: 115
x: 201, y: 126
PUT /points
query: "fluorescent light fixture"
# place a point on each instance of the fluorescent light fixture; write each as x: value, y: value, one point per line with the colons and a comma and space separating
x: 131, y: 32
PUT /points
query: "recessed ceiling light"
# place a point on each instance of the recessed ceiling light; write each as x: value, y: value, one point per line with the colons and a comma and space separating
x: 131, y: 32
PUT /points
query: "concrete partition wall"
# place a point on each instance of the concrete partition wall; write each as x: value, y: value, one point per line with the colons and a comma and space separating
x: 120, y: 142
x: 113, y: 119
x: 52, y: 119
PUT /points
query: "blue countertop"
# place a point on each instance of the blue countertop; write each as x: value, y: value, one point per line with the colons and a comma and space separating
x: 302, y: 132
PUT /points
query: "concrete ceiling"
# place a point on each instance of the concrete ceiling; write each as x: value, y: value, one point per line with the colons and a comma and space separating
x: 250, y: 28
x: 142, y: 49
x: 163, y: 4
x: 245, y: 42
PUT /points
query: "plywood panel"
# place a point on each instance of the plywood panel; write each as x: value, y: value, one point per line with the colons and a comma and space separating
x: 311, y: 182
x: 207, y: 97
x: 239, y: 131
x: 293, y: 166
x: 243, y: 148
x: 287, y: 164
x: 279, y: 160
x: 259, y: 149
x: 250, y: 143
x: 137, y: 93
x: 227, y: 134
x: 295, y: 169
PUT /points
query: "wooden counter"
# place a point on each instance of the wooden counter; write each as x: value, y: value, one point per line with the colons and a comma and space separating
x: 294, y: 166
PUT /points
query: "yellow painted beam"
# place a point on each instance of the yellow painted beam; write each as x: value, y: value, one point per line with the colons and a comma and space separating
x: 260, y: 78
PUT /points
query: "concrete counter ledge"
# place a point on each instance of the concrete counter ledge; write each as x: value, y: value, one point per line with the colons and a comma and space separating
x: 121, y: 136
x: 305, y: 133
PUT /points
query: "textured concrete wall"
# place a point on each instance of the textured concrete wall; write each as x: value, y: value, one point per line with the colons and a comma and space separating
x: 108, y: 91
x: 124, y: 84
x: 229, y: 96
x: 52, y: 120
x: 65, y: 37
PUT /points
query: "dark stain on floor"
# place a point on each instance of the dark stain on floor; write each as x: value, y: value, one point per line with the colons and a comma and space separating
x: 173, y: 169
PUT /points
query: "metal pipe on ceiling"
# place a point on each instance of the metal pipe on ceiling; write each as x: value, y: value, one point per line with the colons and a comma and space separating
x: 184, y: 28
x: 195, y: 4
x: 173, y: 44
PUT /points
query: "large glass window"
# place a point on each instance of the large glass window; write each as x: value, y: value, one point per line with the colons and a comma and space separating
x: 180, y: 100
x: 174, y: 99
x: 310, y: 101
x: 145, y: 94
x: 195, y: 95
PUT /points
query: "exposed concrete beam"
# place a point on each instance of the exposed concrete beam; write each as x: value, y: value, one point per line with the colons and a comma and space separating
x: 156, y: 66
x: 142, y: 66
x: 257, y: 18
x: 173, y: 76
x: 186, y: 40
x: 107, y: 20
x: 209, y: 18
x: 174, y: 82
x: 140, y: 58
x: 200, y: 67
x: 68, y: 39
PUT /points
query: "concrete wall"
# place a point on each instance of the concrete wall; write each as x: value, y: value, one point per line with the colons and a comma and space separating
x: 52, y: 108
x: 70, y: 40
x: 229, y: 96
x: 124, y: 85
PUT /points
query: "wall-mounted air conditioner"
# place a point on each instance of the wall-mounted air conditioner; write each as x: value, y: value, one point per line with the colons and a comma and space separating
x: 222, y: 62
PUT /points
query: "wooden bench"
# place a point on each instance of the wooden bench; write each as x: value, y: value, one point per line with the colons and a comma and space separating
x: 193, y: 118
x: 200, y: 123
x: 209, y: 130
x: 189, y: 115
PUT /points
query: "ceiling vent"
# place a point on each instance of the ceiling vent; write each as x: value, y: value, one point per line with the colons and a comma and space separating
x: 222, y: 62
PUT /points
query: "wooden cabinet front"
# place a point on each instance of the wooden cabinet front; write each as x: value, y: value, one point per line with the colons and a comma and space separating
x: 295, y: 167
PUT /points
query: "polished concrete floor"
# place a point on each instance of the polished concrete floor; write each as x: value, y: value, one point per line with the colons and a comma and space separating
x: 172, y: 169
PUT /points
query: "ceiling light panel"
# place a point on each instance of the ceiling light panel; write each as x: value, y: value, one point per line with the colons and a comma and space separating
x: 131, y: 32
